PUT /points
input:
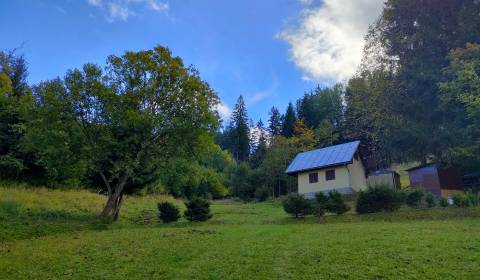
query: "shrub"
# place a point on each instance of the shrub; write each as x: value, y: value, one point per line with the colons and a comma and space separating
x: 336, y: 204
x: 430, y: 199
x: 198, y: 209
x: 297, y: 205
x: 460, y: 200
x: 321, y: 201
x: 379, y: 198
x: 443, y: 202
x: 414, y: 197
x: 168, y: 212
x: 262, y: 193
x: 473, y: 198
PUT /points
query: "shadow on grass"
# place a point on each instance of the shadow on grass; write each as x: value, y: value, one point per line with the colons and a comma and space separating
x: 18, y: 222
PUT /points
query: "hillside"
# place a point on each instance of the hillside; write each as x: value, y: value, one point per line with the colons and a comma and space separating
x: 57, y: 235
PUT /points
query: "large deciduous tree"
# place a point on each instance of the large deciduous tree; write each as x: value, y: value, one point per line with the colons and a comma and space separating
x: 125, y: 123
x: 14, y: 95
x: 460, y: 104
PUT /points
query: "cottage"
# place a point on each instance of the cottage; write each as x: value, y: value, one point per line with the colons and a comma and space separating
x: 442, y: 182
x: 332, y: 168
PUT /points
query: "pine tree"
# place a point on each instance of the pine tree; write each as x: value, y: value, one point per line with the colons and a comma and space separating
x: 240, y: 131
x: 260, y: 147
x: 289, y: 121
x: 275, y: 122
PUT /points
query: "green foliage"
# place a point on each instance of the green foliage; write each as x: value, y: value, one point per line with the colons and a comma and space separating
x: 168, y: 212
x: 322, y: 200
x: 443, y: 202
x: 262, y: 193
x: 379, y: 198
x: 198, y: 210
x: 297, y: 205
x: 321, y: 105
x: 460, y: 200
x: 336, y: 203
x: 280, y: 153
x: 260, y: 147
x: 122, y: 124
x: 430, y: 200
x: 236, y: 136
x: 15, y: 98
x: 473, y: 198
x: 414, y: 197
x: 242, y: 186
x: 460, y: 100
x: 394, y: 103
x: 275, y: 122
x: 326, y: 134
x: 289, y: 121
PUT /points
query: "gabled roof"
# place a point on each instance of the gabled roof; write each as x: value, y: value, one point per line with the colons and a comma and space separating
x: 321, y: 158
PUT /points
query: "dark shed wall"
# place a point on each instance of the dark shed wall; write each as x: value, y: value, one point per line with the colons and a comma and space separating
x: 451, y: 179
x: 426, y: 177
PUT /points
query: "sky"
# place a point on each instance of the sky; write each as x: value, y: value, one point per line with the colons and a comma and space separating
x: 269, y: 51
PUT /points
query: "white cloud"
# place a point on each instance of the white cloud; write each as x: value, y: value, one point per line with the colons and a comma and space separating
x: 262, y: 94
x: 328, y: 41
x: 123, y: 9
x: 223, y: 110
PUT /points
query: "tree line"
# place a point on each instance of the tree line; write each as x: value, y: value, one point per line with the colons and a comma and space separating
x: 146, y: 123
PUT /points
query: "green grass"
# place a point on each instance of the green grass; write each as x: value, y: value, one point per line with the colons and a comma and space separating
x: 242, y: 241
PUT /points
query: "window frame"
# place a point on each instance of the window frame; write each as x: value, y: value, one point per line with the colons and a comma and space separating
x: 330, y: 172
x: 313, y: 177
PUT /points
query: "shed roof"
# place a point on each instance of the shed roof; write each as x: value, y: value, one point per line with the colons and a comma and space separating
x: 383, y: 171
x: 421, y: 166
x: 322, y: 158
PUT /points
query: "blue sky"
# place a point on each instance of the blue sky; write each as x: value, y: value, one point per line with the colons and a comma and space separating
x: 270, y: 51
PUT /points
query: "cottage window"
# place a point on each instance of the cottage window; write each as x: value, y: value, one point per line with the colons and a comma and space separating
x: 313, y: 178
x: 330, y: 175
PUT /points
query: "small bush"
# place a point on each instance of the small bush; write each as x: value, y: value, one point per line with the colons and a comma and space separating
x: 336, y: 204
x: 262, y: 193
x: 473, y: 198
x: 168, y: 212
x: 430, y: 199
x: 379, y: 198
x: 460, y: 200
x: 322, y: 200
x: 297, y: 205
x: 443, y: 202
x: 414, y: 197
x: 198, y: 209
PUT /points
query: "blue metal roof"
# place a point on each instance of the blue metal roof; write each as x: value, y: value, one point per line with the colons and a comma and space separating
x: 325, y: 157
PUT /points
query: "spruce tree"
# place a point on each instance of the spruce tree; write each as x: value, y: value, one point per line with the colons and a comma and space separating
x: 289, y: 121
x: 275, y: 122
x: 260, y: 147
x: 240, y: 131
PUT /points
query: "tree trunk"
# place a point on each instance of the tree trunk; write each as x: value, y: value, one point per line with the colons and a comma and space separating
x: 114, y: 202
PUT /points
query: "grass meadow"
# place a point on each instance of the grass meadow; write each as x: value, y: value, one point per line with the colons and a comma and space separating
x: 51, y: 234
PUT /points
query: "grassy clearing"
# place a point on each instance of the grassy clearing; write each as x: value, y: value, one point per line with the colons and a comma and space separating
x: 242, y: 241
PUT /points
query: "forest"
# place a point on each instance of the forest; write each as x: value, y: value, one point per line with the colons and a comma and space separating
x: 146, y: 123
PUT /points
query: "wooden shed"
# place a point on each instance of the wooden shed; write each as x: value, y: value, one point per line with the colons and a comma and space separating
x: 442, y: 182
x: 384, y: 177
